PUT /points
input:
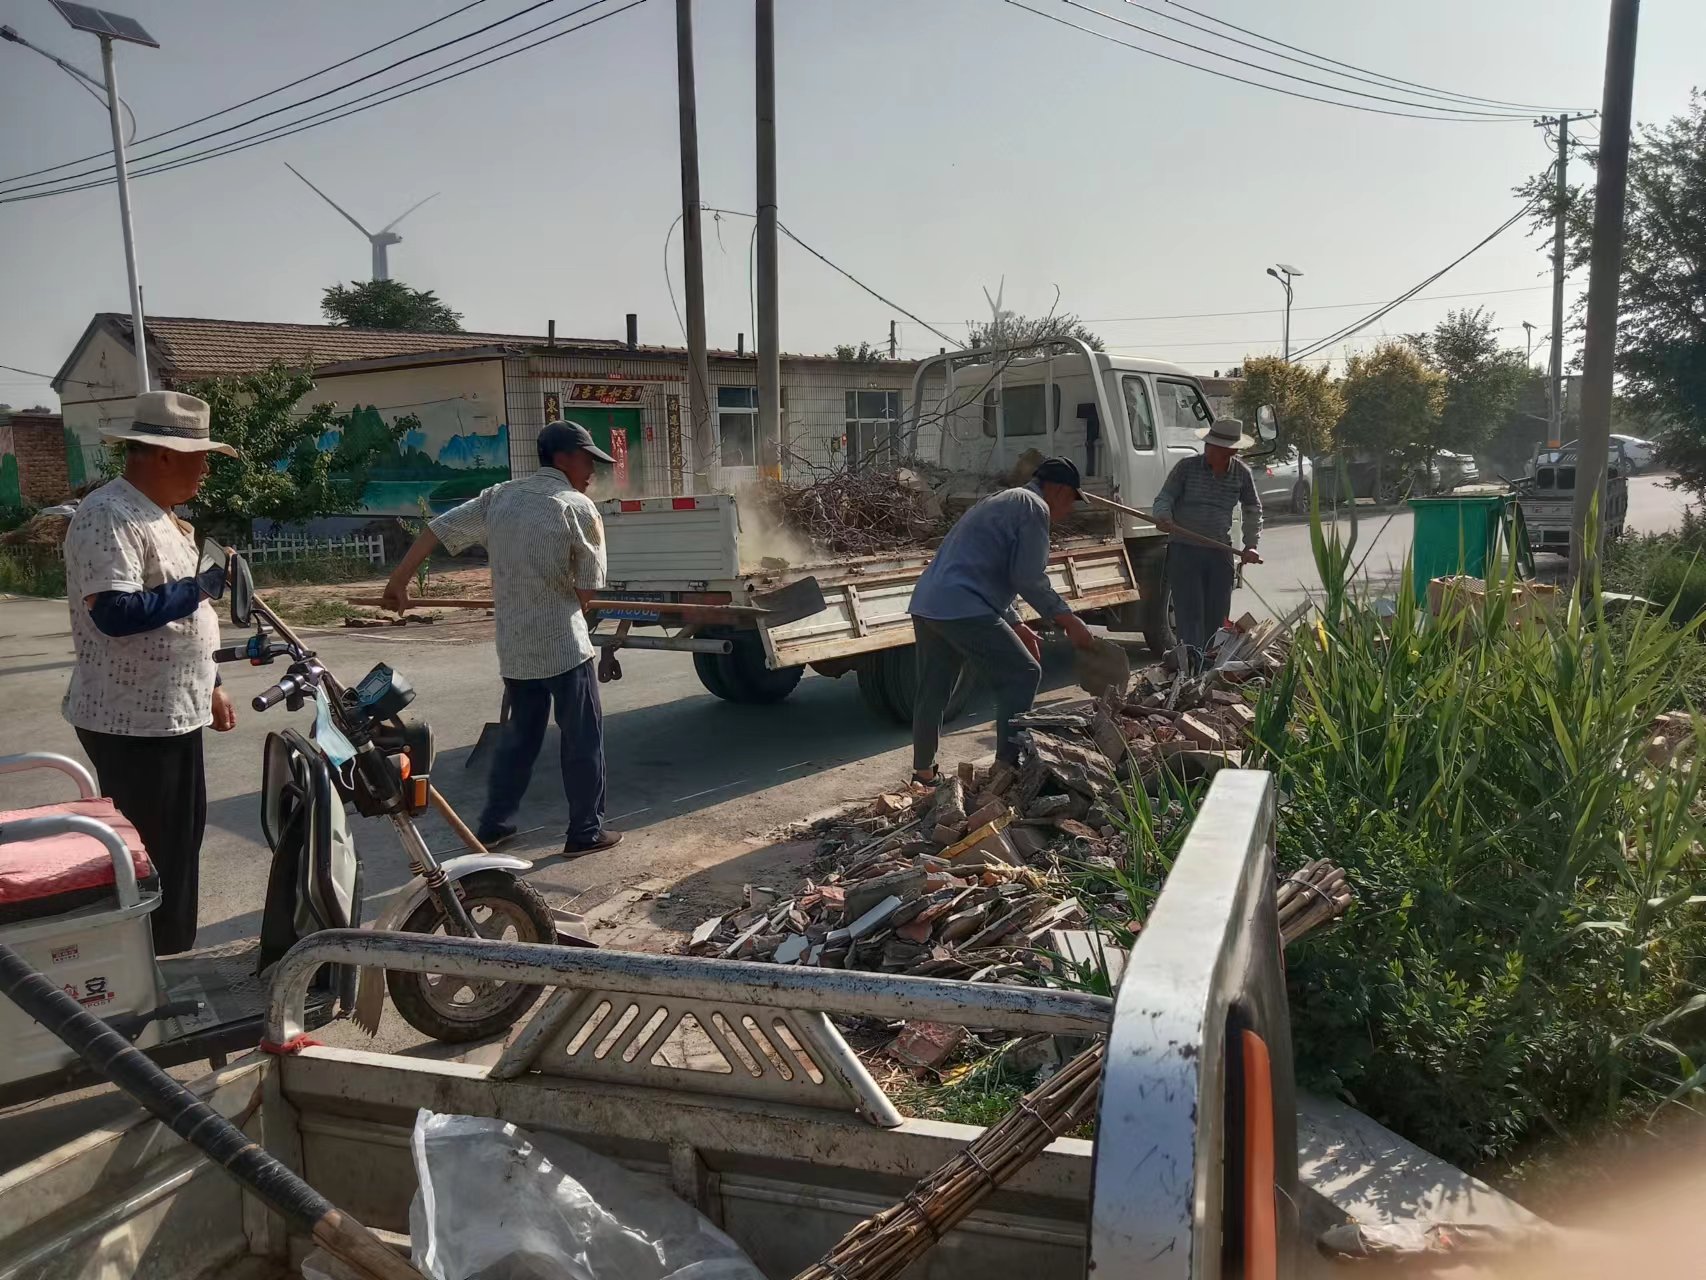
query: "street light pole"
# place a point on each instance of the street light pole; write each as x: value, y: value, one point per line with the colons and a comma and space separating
x: 140, y: 333
x: 1528, y: 330
x: 1284, y: 274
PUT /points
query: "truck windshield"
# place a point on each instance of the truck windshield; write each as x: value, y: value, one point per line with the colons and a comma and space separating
x: 1183, y: 412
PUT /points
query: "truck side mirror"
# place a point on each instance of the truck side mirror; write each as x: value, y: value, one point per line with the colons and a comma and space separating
x: 1267, y: 422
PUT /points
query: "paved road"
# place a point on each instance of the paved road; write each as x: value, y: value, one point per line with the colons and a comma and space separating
x: 699, y: 785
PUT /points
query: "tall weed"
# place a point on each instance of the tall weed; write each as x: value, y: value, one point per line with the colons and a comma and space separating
x: 1528, y: 885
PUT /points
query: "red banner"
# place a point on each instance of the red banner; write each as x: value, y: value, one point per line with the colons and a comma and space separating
x: 619, y: 451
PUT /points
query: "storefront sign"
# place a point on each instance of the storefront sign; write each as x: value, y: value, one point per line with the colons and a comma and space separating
x: 553, y: 406
x: 672, y: 424
x: 605, y: 393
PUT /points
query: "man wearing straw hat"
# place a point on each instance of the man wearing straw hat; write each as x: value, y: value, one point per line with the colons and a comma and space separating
x: 144, y: 685
x: 1198, y: 498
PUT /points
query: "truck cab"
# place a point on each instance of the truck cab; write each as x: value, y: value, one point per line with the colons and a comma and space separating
x: 1125, y: 420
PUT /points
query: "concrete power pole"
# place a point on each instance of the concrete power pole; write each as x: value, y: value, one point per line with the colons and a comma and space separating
x: 1555, y: 409
x: 769, y: 340
x: 1605, y: 266
x: 693, y: 256
x: 894, y: 342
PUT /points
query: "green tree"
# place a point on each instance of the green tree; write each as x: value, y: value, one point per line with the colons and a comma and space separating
x: 1392, y: 406
x: 1483, y: 381
x: 1306, y: 403
x: 1661, y: 329
x: 76, y: 472
x: 863, y: 352
x: 388, y: 304
x: 284, y: 474
x: 11, y: 492
x: 1021, y: 333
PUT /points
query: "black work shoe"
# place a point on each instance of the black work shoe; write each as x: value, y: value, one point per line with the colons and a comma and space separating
x: 606, y: 839
x: 492, y: 837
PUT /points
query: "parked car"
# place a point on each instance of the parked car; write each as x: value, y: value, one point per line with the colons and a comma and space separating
x: 1284, y: 485
x: 1639, y: 454
x: 1390, y: 480
x: 1451, y: 470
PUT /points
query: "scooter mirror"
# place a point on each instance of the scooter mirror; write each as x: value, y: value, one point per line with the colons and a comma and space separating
x: 1267, y: 424
x: 241, y: 585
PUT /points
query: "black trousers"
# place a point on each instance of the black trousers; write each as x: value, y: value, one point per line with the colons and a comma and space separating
x: 160, y: 785
x: 1201, y: 580
x: 580, y: 730
x: 994, y: 651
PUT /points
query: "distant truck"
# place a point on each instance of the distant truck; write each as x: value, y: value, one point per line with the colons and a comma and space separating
x: 753, y: 628
x: 1547, y: 496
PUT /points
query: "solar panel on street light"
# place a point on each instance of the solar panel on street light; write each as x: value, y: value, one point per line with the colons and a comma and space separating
x: 103, y: 22
x: 1290, y: 271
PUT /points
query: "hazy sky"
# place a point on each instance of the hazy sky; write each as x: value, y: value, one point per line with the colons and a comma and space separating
x: 931, y: 147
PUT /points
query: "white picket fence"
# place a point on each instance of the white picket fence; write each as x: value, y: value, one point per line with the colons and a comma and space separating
x: 369, y: 547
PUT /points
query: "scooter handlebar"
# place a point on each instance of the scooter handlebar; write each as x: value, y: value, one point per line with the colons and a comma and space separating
x: 275, y: 694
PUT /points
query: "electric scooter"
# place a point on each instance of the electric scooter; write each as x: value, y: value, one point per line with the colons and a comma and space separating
x: 76, y: 885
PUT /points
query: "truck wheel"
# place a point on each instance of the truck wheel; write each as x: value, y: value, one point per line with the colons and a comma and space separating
x: 711, y: 676
x: 888, y: 683
x: 454, y: 1010
x: 743, y: 671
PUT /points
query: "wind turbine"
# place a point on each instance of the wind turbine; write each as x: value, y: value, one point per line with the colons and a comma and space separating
x: 380, y: 240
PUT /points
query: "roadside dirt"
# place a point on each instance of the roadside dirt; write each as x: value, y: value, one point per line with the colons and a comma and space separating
x: 327, y: 603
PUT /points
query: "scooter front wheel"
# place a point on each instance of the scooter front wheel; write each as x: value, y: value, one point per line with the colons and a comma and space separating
x: 455, y: 1009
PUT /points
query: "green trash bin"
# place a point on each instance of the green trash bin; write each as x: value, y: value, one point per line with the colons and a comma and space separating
x: 1455, y: 535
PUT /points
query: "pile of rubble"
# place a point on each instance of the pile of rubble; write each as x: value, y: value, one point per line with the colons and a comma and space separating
x: 970, y: 879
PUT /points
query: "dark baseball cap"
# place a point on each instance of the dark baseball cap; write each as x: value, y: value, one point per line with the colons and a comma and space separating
x: 566, y: 437
x: 1058, y: 471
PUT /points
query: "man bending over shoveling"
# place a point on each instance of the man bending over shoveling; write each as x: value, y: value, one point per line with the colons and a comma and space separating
x: 963, y: 612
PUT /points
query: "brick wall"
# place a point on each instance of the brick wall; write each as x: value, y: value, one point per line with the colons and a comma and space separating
x: 38, y: 442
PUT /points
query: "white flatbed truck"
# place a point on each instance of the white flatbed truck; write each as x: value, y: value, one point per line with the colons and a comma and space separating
x: 1124, y: 421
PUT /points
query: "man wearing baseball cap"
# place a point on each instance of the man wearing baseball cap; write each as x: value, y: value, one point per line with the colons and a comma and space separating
x: 144, y: 684
x: 964, y: 616
x: 545, y: 542
x: 1198, y: 498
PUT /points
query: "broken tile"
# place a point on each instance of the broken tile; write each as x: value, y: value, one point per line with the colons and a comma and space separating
x: 926, y: 1044
x: 791, y: 949
x: 873, y: 919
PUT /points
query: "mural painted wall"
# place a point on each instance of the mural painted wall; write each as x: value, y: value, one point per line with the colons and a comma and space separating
x: 460, y: 445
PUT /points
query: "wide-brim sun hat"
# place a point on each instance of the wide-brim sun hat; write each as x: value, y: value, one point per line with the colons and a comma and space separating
x: 1228, y: 433
x: 170, y: 420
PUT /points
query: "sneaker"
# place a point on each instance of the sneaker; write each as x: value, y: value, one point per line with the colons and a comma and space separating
x: 606, y: 839
x: 492, y: 837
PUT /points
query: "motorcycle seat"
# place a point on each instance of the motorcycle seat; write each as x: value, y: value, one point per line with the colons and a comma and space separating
x: 59, y: 874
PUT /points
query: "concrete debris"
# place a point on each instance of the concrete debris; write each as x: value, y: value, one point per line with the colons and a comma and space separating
x: 926, y: 1045
x: 972, y: 877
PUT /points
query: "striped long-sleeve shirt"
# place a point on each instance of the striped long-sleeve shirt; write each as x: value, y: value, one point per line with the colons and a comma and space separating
x: 1196, y: 499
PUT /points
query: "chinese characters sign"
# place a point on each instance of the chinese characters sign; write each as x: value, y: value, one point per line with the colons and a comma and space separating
x: 553, y: 406
x: 672, y: 424
x: 619, y: 451
x: 605, y: 393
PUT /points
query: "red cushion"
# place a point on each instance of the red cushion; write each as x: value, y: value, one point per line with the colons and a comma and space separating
x: 69, y: 863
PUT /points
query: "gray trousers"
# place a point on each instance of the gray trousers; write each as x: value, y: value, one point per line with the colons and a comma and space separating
x: 1201, y: 583
x: 998, y: 658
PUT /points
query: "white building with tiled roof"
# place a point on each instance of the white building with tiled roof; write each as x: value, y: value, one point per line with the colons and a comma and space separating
x: 481, y: 398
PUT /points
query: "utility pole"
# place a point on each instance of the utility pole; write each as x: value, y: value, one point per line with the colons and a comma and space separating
x: 1605, y: 266
x: 693, y: 256
x: 1555, y: 407
x: 894, y: 345
x: 769, y: 341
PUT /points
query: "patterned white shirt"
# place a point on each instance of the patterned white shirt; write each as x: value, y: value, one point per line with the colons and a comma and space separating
x: 545, y: 539
x: 157, y: 683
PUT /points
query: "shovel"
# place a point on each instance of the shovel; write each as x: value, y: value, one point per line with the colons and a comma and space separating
x: 489, y: 735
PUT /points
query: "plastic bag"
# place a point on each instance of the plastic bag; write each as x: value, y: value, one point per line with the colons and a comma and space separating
x: 499, y: 1203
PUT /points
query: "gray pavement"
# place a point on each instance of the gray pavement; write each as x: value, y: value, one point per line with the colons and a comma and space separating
x: 701, y: 786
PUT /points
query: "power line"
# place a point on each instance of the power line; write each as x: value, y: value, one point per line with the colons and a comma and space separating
x: 1374, y: 78
x: 326, y: 93
x: 1359, y: 325
x: 1257, y: 84
x: 1477, y: 113
x: 1411, y: 84
x: 238, y: 106
x: 295, y: 127
x: 46, y: 377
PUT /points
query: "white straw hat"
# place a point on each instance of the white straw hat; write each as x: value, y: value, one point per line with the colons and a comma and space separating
x: 1228, y: 433
x: 170, y: 420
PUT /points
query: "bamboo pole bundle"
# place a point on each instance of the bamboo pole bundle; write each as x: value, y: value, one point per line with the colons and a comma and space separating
x: 884, y: 1246
x: 1311, y: 896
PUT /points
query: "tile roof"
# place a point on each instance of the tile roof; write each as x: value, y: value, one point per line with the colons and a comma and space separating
x: 188, y: 347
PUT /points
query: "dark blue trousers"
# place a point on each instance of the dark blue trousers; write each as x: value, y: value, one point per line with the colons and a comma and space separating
x: 580, y: 724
